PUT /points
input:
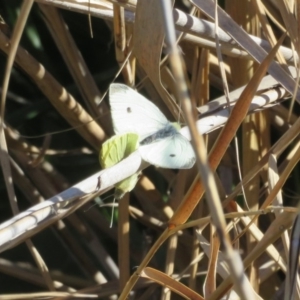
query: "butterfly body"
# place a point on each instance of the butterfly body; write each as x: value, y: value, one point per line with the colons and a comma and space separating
x: 166, y: 132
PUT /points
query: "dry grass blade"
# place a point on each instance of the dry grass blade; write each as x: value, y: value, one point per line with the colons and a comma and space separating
x: 236, y: 32
x: 292, y: 278
x: 254, y: 142
x: 60, y: 98
x: 123, y: 237
x: 208, y: 180
x: 210, y: 281
x: 148, y: 47
x: 258, y: 235
x: 18, y: 30
x: 282, y: 223
x: 277, y: 149
x: 42, y: 215
x: 183, y: 21
x: 135, y: 276
x: 47, y: 295
x: 170, y: 283
x: 76, y: 64
x: 170, y: 263
x: 123, y: 36
x: 277, y: 187
x: 5, y: 159
x: 267, y: 29
x: 278, y: 201
x: 237, y: 116
x: 221, y: 267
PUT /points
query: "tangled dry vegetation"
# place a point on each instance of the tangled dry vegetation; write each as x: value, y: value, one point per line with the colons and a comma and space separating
x: 225, y: 229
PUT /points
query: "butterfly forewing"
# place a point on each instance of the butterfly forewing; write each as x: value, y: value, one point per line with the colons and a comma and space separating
x: 131, y: 112
x: 113, y: 151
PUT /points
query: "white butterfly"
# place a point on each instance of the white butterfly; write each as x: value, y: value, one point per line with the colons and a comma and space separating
x: 160, y: 142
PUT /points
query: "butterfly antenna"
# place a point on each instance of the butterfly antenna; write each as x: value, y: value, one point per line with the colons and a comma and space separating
x: 97, y: 204
x: 90, y: 207
x: 112, y: 213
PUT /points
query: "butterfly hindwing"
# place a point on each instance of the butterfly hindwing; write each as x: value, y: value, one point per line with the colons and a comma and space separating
x: 113, y: 151
x: 173, y: 152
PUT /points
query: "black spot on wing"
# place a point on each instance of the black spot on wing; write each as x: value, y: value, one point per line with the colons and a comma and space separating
x: 172, y: 155
x: 129, y: 110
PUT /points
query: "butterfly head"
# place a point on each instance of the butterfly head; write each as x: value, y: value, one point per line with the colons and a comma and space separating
x: 176, y: 125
